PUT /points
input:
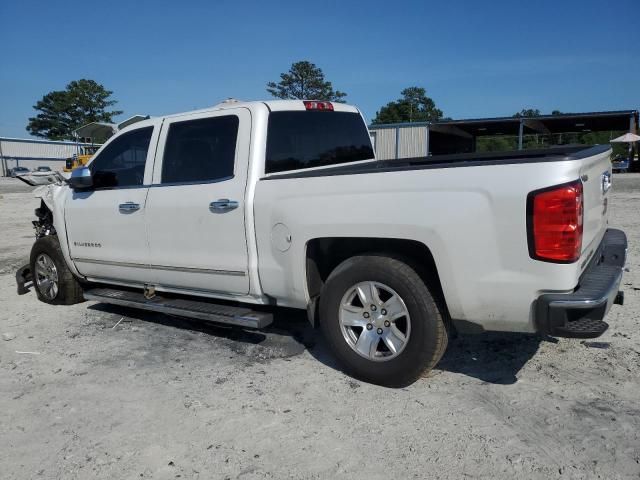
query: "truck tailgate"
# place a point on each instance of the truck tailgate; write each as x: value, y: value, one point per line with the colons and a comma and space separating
x: 595, y: 173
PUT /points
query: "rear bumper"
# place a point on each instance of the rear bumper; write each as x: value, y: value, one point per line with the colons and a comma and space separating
x: 580, y: 314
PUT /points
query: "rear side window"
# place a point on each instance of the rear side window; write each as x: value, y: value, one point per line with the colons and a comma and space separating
x: 121, y: 163
x: 305, y: 139
x: 199, y: 151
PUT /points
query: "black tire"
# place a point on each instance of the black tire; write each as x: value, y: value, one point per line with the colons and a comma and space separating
x: 427, y: 341
x: 69, y: 289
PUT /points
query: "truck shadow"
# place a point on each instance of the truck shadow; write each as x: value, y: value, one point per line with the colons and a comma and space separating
x: 493, y: 357
x: 289, y: 335
x: 490, y: 357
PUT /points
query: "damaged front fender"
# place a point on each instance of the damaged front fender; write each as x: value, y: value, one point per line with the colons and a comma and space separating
x: 50, y: 190
x: 50, y: 220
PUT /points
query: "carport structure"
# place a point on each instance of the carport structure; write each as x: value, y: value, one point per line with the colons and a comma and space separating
x: 624, y: 120
x: 99, y: 132
x: 403, y: 140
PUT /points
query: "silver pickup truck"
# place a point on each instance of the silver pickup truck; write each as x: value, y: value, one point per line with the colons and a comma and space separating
x: 225, y: 213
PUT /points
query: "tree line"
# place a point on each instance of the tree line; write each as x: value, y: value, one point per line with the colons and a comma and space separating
x: 84, y: 101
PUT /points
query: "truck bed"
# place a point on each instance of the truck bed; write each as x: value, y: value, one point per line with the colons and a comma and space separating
x: 555, y: 154
x: 472, y: 220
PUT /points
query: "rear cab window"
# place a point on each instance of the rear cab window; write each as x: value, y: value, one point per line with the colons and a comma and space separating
x: 306, y: 139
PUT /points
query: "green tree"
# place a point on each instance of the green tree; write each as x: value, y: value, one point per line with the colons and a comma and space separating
x: 62, y: 111
x: 304, y: 81
x: 496, y: 143
x: 533, y: 112
x: 527, y: 112
x: 413, y: 106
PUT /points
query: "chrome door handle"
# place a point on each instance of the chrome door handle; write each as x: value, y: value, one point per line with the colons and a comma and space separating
x: 223, y: 205
x: 128, y: 207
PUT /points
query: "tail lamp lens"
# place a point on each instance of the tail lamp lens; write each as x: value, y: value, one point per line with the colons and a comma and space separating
x: 315, y: 105
x: 555, y: 219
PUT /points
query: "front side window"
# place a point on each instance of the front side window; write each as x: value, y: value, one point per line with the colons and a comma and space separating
x: 199, y: 151
x: 305, y: 139
x: 121, y: 163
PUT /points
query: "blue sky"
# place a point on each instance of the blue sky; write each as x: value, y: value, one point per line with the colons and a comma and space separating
x: 475, y: 58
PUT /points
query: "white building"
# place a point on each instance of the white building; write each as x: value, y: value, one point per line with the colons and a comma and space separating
x: 31, y: 153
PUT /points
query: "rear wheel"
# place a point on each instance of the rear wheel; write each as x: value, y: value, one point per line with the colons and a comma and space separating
x: 53, y: 281
x: 381, y: 320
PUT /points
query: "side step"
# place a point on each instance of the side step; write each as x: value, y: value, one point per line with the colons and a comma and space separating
x: 200, y: 309
x: 582, y: 328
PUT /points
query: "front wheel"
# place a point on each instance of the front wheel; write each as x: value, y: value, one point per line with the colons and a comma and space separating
x: 381, y: 320
x: 53, y: 281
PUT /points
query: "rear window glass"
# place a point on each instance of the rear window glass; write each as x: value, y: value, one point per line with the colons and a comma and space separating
x: 314, y: 139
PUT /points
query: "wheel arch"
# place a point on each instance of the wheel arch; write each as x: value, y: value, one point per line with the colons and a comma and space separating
x: 324, y: 254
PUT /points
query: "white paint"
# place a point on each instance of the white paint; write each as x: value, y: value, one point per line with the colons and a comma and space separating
x: 473, y: 219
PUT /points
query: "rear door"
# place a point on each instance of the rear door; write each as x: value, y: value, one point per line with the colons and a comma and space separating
x: 196, y: 204
x: 105, y: 226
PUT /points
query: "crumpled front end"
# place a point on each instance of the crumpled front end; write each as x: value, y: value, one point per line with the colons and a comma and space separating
x: 40, y: 178
x: 44, y: 224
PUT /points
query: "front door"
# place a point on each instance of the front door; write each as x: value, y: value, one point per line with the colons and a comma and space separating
x: 105, y: 226
x: 195, y: 207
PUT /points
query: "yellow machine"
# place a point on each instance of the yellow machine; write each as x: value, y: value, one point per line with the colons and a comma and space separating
x: 83, y: 156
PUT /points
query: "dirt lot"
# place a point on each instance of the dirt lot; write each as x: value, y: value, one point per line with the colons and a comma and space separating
x: 83, y: 396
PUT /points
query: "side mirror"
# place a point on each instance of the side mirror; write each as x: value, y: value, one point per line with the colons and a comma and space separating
x: 81, y: 179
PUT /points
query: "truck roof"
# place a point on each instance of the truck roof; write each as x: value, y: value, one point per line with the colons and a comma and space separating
x: 272, y: 105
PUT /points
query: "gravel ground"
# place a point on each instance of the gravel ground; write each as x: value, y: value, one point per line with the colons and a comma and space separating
x: 83, y: 396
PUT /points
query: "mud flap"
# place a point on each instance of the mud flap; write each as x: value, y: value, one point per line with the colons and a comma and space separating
x: 24, y: 279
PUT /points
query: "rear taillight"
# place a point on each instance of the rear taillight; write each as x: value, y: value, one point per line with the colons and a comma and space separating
x: 554, y: 223
x: 314, y: 105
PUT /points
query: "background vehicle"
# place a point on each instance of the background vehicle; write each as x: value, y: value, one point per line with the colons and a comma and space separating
x: 18, y: 171
x: 282, y: 203
x: 42, y: 169
x: 620, y: 165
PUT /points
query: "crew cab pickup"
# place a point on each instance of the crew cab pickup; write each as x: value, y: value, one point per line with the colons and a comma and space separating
x: 225, y: 213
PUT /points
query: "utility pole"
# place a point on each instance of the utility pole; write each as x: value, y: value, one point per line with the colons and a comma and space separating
x: 3, y: 161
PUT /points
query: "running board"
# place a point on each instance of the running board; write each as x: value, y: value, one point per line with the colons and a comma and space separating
x: 200, y: 309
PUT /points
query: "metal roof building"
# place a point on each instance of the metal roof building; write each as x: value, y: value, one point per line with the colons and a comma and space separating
x: 31, y: 153
x: 406, y: 140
